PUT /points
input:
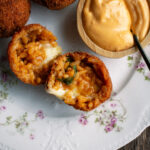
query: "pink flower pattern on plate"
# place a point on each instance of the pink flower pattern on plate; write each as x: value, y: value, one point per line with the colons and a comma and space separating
x: 40, y: 114
x: 2, y: 108
x: 32, y: 137
x: 113, y: 121
x: 108, y: 116
x: 7, y: 81
x: 141, y: 67
x: 113, y: 105
x: 108, y: 128
x: 83, y: 119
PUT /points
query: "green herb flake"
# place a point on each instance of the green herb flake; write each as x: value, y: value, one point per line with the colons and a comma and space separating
x: 147, y: 78
x: 130, y: 58
x: 69, y: 59
x: 96, y: 120
x: 69, y: 80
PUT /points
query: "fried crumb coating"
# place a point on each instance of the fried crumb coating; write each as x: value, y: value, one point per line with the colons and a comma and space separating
x: 55, y: 4
x: 31, y: 53
x: 80, y: 80
x: 13, y: 16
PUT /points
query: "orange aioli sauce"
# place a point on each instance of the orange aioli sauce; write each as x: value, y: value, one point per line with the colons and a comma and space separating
x: 108, y: 23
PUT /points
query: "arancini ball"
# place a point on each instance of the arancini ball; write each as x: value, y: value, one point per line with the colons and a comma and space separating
x: 13, y: 16
x: 31, y: 53
x: 80, y: 80
x: 55, y: 4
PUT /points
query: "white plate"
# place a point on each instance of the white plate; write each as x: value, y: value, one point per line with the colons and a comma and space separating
x: 31, y: 119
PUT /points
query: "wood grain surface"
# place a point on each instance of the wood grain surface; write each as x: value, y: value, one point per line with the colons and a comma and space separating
x: 141, y: 143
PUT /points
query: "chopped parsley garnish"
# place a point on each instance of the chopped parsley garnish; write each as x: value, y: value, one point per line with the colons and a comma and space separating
x: 69, y: 59
x: 69, y: 80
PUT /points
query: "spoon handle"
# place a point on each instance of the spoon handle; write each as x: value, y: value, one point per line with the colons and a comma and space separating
x: 141, y: 51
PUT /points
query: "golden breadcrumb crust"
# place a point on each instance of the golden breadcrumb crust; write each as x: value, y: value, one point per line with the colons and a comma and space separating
x: 55, y: 4
x: 92, y: 80
x: 13, y: 16
x: 25, y: 57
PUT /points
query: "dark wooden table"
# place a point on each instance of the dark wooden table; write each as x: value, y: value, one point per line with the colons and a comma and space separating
x: 141, y: 143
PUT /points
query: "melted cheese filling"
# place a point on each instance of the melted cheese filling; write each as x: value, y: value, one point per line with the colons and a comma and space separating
x: 36, y: 58
x: 84, y: 87
x: 61, y: 92
x: 50, y: 51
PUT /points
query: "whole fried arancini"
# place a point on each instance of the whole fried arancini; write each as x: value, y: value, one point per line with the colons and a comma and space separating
x: 80, y: 80
x: 55, y: 4
x: 13, y: 16
x: 31, y: 53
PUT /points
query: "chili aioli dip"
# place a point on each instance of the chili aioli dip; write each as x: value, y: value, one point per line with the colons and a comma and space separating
x: 108, y: 23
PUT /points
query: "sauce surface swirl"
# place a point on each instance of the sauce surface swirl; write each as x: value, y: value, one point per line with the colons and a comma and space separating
x: 108, y: 23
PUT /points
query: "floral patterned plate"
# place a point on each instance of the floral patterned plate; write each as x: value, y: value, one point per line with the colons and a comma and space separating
x: 30, y: 119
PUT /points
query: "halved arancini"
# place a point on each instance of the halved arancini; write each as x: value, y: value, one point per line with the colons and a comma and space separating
x: 31, y: 53
x: 80, y: 80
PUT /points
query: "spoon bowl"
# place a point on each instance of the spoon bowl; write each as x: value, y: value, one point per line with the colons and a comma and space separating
x: 94, y: 47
